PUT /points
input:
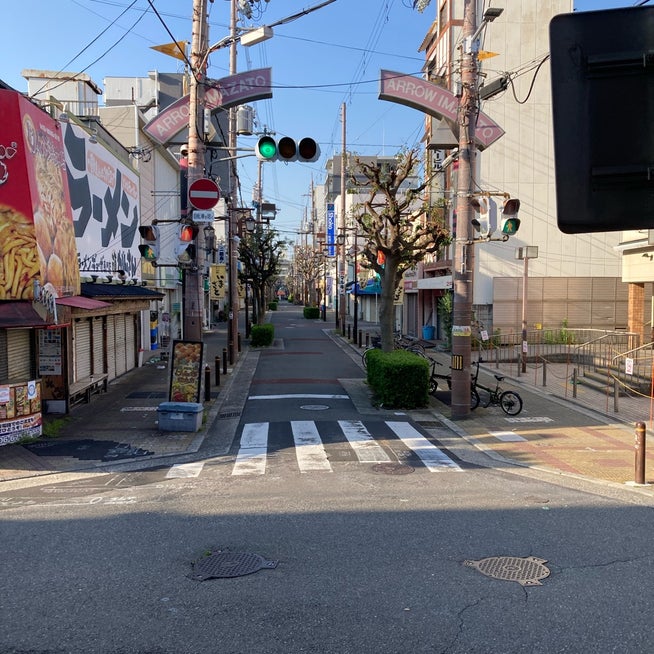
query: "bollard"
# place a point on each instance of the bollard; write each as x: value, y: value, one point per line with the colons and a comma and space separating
x: 349, y: 332
x: 574, y: 383
x: 239, y: 341
x: 616, y: 396
x: 544, y: 373
x: 367, y: 340
x: 641, y: 437
x: 217, y: 364
x: 207, y: 383
x: 360, y: 337
x: 224, y: 361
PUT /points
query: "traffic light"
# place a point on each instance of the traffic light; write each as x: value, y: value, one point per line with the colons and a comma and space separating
x: 510, y: 221
x: 150, y: 249
x: 485, y: 222
x: 186, y: 248
x: 287, y: 149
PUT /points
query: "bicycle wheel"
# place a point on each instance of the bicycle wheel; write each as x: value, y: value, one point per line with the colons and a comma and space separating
x: 364, y: 356
x: 433, y: 386
x: 474, y: 399
x: 511, y: 403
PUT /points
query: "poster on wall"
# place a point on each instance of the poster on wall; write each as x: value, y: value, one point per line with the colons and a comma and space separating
x: 20, y: 411
x: 104, y: 194
x: 186, y: 371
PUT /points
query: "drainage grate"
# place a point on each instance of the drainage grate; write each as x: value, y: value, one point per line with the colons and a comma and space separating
x: 527, y: 571
x: 392, y: 468
x: 230, y: 414
x: 224, y: 565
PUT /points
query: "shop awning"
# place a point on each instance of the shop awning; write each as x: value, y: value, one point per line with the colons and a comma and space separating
x: 80, y: 302
x: 20, y: 314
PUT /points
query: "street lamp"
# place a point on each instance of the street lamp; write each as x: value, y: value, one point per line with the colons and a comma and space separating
x: 525, y: 253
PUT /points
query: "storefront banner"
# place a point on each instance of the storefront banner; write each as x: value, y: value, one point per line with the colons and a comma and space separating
x: 186, y: 371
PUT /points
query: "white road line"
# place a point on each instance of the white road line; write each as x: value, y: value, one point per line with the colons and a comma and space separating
x: 309, y: 449
x: 429, y: 454
x: 251, y: 457
x: 185, y: 470
x: 362, y: 442
x: 293, y: 396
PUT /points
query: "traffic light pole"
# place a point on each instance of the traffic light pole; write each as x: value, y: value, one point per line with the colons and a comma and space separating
x: 463, y: 256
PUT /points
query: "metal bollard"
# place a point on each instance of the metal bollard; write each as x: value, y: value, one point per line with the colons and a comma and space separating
x: 574, y: 383
x: 224, y: 361
x: 207, y: 383
x: 360, y: 337
x: 544, y: 373
x: 239, y: 341
x: 641, y: 437
x: 616, y: 396
x: 217, y: 364
x: 367, y: 340
x: 349, y: 332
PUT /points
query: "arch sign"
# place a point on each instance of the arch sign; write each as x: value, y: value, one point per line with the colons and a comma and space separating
x: 435, y: 101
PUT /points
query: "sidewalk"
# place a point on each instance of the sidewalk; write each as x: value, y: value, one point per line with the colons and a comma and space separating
x: 554, y: 433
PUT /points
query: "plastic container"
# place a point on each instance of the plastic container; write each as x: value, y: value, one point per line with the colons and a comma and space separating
x: 428, y: 332
x: 180, y: 416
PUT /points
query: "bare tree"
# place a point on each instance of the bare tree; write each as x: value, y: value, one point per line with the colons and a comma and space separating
x: 308, y: 267
x: 400, y: 226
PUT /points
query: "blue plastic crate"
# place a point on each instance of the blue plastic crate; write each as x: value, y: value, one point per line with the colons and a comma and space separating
x: 180, y: 416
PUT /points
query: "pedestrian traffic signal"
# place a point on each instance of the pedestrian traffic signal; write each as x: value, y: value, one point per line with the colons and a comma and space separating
x: 186, y: 248
x: 510, y: 221
x: 485, y: 220
x: 150, y: 249
x: 287, y: 149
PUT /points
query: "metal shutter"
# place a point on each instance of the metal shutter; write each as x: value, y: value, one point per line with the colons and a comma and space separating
x: 120, y: 346
x: 111, y: 347
x: 130, y: 342
x: 82, y: 348
x: 97, y: 336
x: 19, y: 355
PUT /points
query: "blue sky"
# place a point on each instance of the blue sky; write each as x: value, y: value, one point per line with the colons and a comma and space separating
x: 319, y: 61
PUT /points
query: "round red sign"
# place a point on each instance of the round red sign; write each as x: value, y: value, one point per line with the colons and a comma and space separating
x: 203, y: 194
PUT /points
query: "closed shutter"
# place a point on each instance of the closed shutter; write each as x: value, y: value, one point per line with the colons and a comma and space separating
x: 82, y: 348
x: 130, y: 342
x: 120, y: 349
x: 4, y: 358
x: 111, y: 347
x: 98, y: 346
x: 19, y: 355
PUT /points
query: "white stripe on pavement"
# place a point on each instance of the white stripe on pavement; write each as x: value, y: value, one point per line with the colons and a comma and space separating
x: 292, y: 396
x: 362, y: 442
x: 309, y: 449
x: 507, y: 436
x: 251, y: 457
x: 429, y: 454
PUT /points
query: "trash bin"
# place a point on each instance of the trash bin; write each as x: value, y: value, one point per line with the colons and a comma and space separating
x: 428, y: 332
x: 180, y: 416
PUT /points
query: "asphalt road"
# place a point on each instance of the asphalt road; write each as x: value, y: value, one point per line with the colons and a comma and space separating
x: 369, y: 557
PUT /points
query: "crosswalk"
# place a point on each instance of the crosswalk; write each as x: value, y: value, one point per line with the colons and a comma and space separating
x: 317, y: 446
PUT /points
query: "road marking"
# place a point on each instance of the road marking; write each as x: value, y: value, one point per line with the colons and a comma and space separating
x: 362, y: 442
x: 429, y: 454
x: 530, y: 419
x: 309, y: 449
x: 251, y: 457
x: 185, y: 470
x: 293, y: 396
x: 507, y: 436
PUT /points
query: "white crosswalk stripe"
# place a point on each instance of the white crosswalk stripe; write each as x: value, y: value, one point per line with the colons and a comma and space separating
x: 311, y: 442
x: 185, y: 470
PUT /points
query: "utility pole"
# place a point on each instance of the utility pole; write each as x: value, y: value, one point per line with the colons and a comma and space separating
x: 193, y: 293
x: 463, y: 257
x: 341, y: 227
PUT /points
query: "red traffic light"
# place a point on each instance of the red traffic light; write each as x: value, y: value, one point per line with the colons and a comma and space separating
x: 188, y: 233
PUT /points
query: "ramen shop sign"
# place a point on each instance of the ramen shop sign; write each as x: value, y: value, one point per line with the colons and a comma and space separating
x: 435, y: 101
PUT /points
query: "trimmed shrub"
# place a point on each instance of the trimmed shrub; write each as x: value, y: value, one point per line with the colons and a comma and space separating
x: 312, y: 313
x: 272, y: 306
x: 262, y: 335
x: 399, y: 379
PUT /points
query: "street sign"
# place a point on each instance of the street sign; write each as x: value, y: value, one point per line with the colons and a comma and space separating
x: 203, y: 216
x: 203, y: 193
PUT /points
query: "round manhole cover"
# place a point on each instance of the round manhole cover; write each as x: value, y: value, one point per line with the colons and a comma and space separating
x: 527, y: 571
x: 392, y: 469
x: 224, y: 565
x: 314, y: 407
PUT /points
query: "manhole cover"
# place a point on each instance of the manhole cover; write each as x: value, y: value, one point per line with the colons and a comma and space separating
x: 314, y: 407
x: 392, y: 468
x: 223, y: 565
x: 527, y: 571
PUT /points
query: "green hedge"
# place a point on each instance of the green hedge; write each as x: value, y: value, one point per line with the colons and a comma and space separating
x: 272, y: 306
x: 399, y: 379
x: 262, y: 335
x: 312, y: 313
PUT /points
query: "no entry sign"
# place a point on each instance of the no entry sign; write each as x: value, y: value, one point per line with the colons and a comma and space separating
x: 203, y: 194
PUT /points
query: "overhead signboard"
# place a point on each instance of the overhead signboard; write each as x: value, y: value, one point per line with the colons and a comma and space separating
x: 222, y: 93
x: 435, y: 101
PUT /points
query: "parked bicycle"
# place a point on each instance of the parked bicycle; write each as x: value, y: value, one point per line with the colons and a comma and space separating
x: 509, y: 401
x: 435, y: 377
x: 400, y: 342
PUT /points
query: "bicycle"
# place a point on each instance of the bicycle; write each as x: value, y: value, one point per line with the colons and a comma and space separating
x: 509, y: 401
x: 434, y: 378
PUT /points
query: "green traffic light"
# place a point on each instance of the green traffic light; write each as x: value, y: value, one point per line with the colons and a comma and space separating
x: 148, y: 252
x: 510, y: 226
x: 267, y: 147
